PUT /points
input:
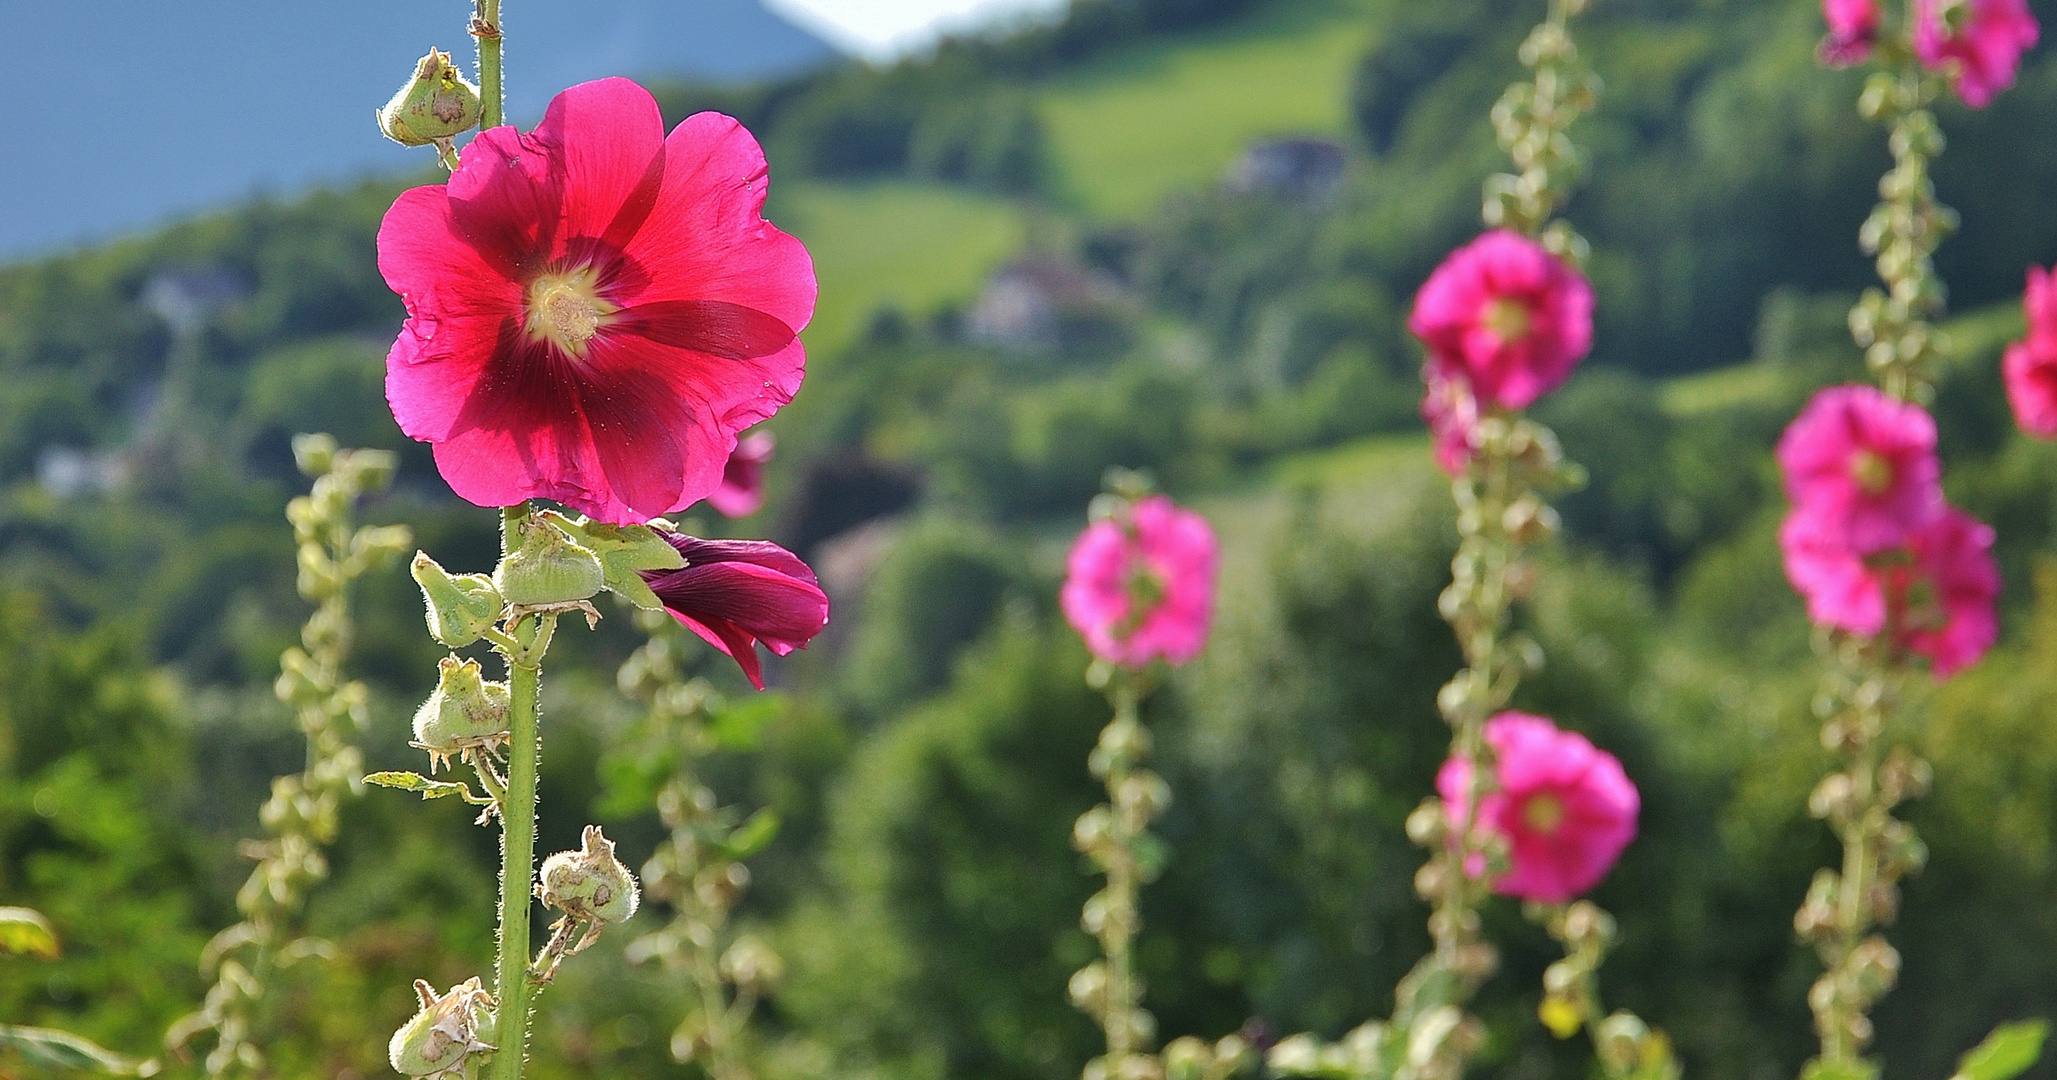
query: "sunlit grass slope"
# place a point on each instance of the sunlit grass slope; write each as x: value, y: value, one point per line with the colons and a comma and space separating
x: 911, y: 245
x: 1172, y: 114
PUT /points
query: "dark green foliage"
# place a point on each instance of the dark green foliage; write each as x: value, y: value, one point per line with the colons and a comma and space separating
x: 931, y: 598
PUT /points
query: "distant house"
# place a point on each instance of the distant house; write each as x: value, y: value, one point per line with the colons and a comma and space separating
x: 187, y: 297
x: 1294, y: 168
x: 1039, y: 304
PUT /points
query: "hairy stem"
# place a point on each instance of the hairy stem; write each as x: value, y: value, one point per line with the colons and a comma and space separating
x: 517, y: 857
x: 485, y: 26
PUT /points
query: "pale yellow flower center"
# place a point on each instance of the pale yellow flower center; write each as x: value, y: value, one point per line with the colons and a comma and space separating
x: 1872, y: 472
x: 1543, y: 813
x: 1507, y: 319
x: 566, y: 309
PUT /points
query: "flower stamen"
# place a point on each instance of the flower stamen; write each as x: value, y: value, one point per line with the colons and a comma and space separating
x: 567, y: 310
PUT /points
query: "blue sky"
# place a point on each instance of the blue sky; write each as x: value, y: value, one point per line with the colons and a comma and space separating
x: 883, y: 28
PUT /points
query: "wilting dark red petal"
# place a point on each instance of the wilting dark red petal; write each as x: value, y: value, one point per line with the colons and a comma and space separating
x: 763, y: 593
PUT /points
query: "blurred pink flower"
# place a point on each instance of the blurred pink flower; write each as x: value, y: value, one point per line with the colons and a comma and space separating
x: 1452, y: 415
x: 742, y: 484
x: 2029, y: 367
x: 1508, y: 317
x: 1861, y: 468
x: 594, y: 309
x: 1980, y: 43
x: 1852, y: 28
x: 1143, y: 588
x: 1565, y: 807
x: 738, y: 593
x: 1936, y: 593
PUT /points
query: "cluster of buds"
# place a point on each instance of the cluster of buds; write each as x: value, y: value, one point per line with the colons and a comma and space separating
x: 1902, y: 233
x: 1628, y: 1048
x: 1532, y: 121
x: 1115, y: 837
x: 300, y: 818
x: 698, y: 872
x: 1842, y: 908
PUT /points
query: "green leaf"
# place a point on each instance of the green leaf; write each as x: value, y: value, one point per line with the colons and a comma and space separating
x: 429, y: 789
x: 752, y: 836
x: 24, y: 931
x: 623, y: 550
x: 63, y: 1050
x: 1818, y: 1069
x: 2006, y: 1053
x: 737, y: 725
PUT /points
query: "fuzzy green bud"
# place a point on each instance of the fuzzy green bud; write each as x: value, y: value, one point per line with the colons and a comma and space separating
x: 466, y: 712
x: 548, y: 568
x: 460, y: 607
x: 449, y: 1028
x: 623, y: 550
x: 590, y: 883
x: 436, y: 104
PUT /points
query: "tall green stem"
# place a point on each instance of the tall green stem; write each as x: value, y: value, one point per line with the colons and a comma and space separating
x: 517, y: 856
x: 485, y: 26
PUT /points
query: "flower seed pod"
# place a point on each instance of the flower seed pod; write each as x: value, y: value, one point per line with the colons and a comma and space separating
x: 436, y: 104
x: 465, y: 713
x: 447, y: 1030
x: 590, y: 883
x: 548, y: 568
x: 460, y: 607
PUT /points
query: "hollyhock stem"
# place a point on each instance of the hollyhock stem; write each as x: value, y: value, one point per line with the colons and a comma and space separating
x: 1902, y: 234
x: 1115, y: 836
x: 485, y: 26
x: 518, y: 846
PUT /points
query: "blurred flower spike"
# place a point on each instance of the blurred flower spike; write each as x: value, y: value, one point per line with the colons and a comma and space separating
x: 1139, y: 584
x: 1564, y: 807
x: 1978, y: 43
x: 594, y: 309
x: 1870, y: 544
x: 2030, y: 365
x: 1505, y: 317
x: 1852, y: 30
x: 736, y: 594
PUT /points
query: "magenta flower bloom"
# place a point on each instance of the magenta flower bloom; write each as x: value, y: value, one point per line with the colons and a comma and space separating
x: 1852, y: 28
x: 1861, y: 467
x: 1452, y: 415
x: 1935, y: 594
x: 1980, y: 45
x: 742, y: 483
x: 1565, y: 807
x: 1508, y: 317
x: 1143, y: 588
x: 1944, y: 600
x: 2029, y: 367
x: 594, y: 309
x: 738, y: 593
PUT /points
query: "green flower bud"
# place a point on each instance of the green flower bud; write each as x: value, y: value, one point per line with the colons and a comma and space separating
x: 465, y: 713
x: 448, y: 1029
x: 590, y: 883
x: 548, y: 568
x: 460, y: 608
x: 436, y: 104
x: 623, y: 550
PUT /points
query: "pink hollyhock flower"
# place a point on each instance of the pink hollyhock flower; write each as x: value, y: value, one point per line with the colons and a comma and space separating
x: 742, y: 483
x: 1936, y: 593
x: 1452, y: 415
x: 1565, y: 807
x: 1980, y: 43
x: 1943, y: 599
x: 594, y: 309
x: 2029, y: 367
x: 737, y: 593
x: 1852, y: 28
x: 1507, y: 316
x: 1861, y: 466
x: 1143, y: 588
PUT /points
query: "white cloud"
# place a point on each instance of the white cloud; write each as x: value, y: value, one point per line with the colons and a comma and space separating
x: 882, y: 29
